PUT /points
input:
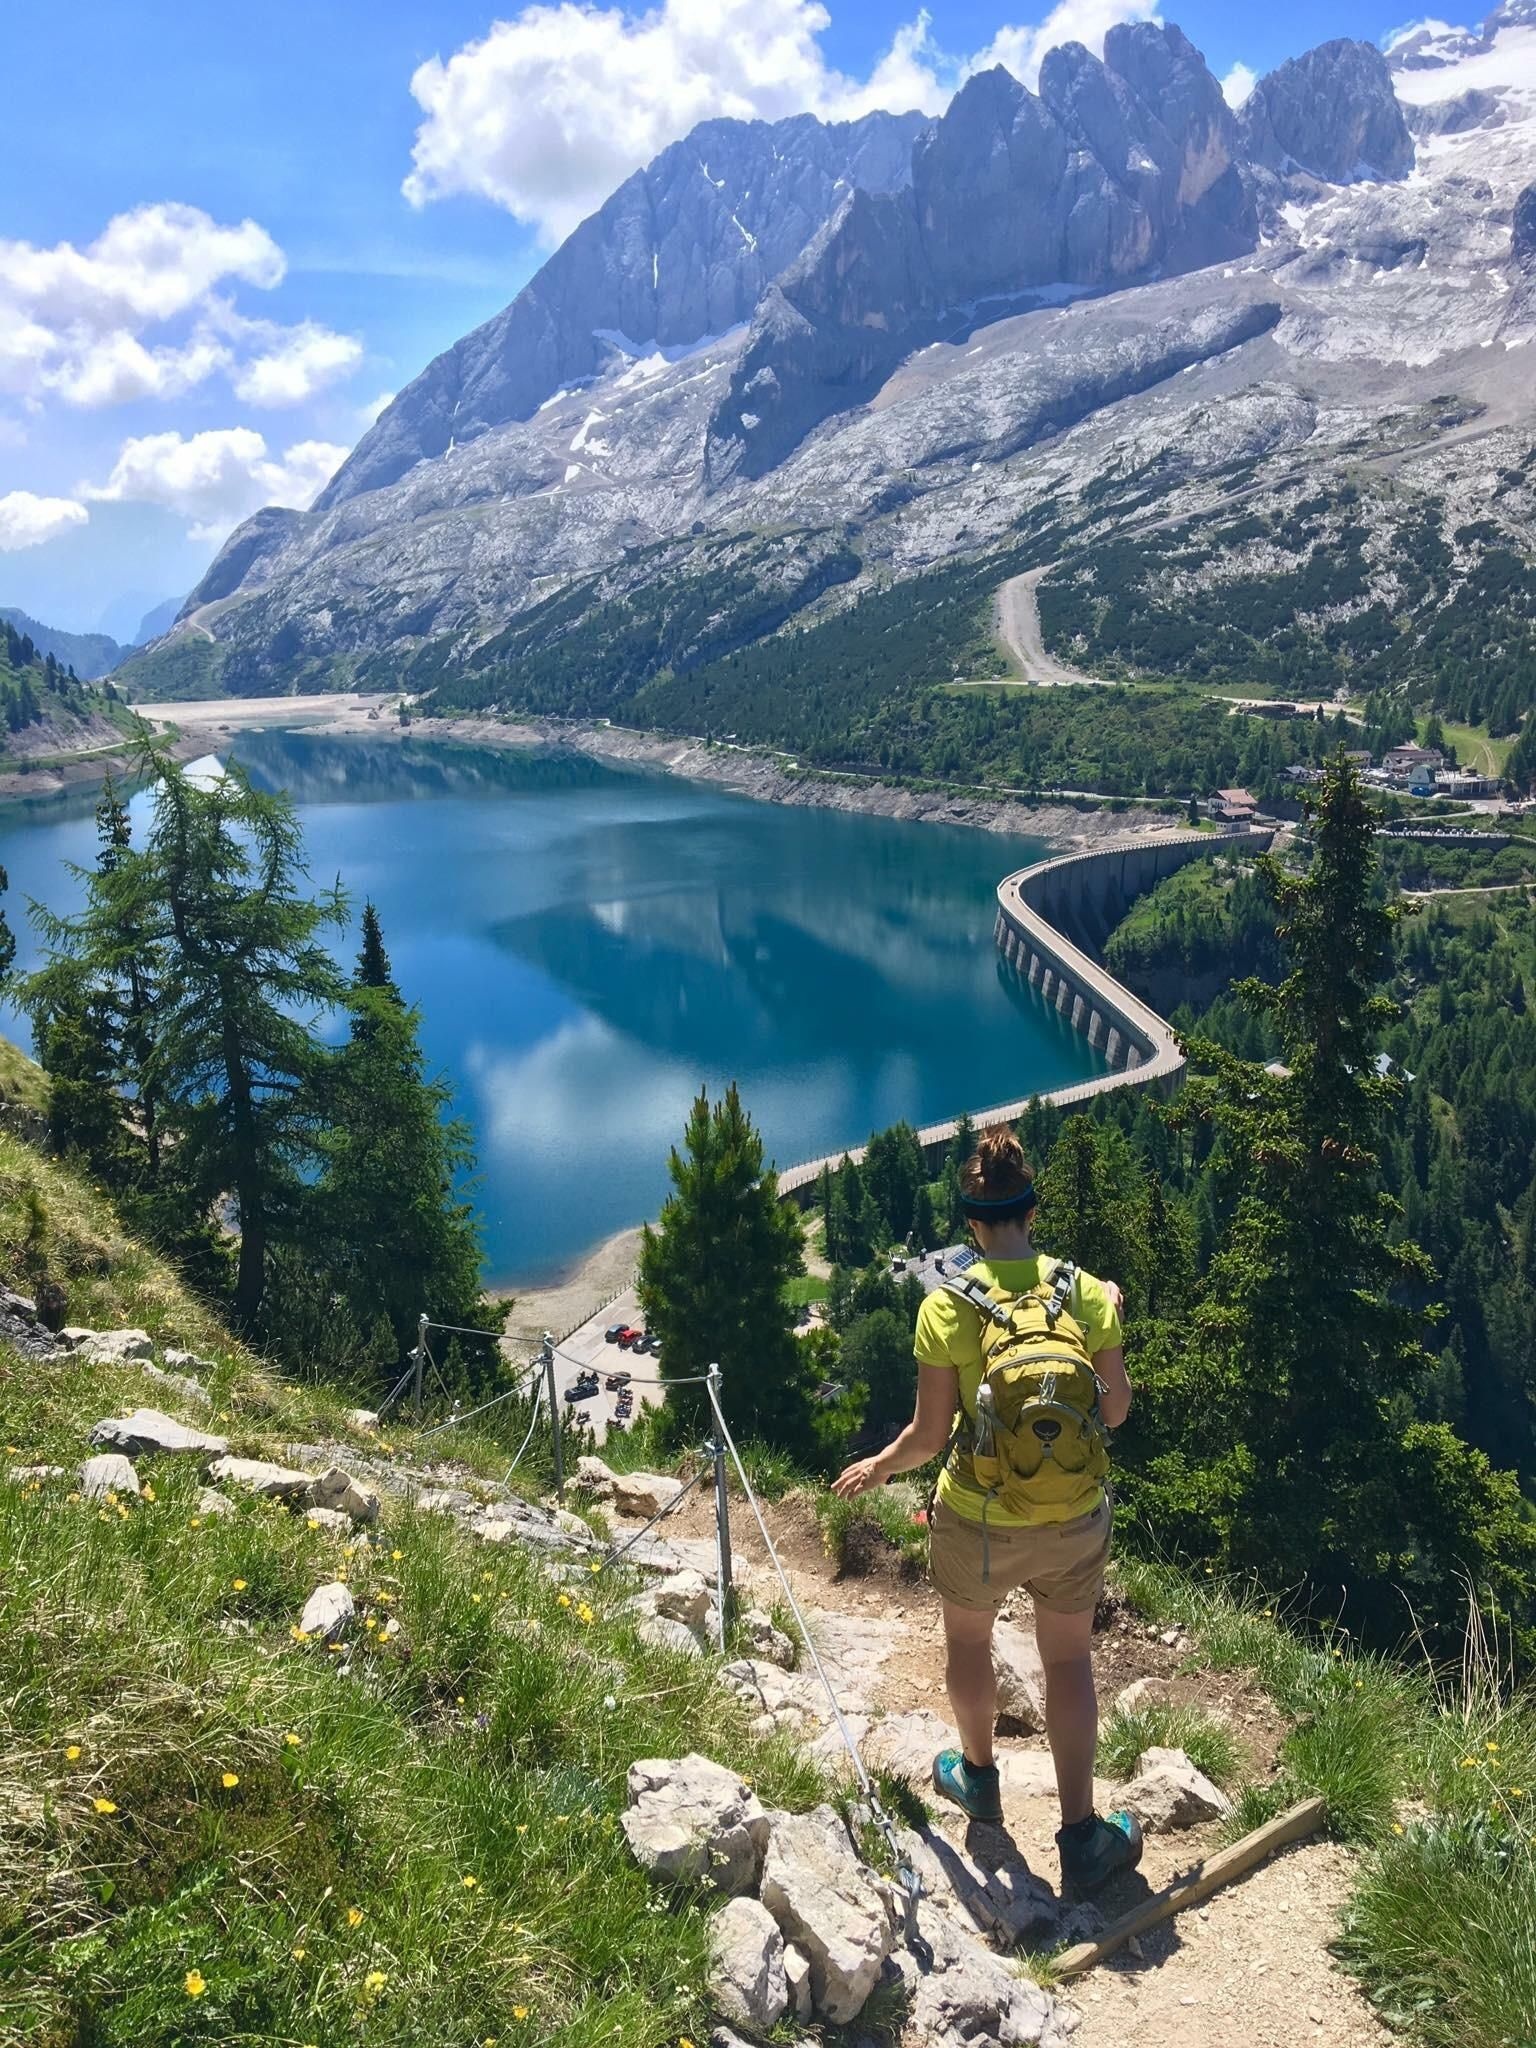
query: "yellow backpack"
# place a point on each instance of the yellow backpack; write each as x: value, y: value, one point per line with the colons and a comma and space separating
x: 1036, y: 1439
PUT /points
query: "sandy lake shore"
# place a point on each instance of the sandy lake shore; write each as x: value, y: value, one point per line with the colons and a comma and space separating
x: 751, y: 772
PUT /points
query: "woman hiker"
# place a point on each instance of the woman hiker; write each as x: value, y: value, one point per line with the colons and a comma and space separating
x: 1045, y: 1529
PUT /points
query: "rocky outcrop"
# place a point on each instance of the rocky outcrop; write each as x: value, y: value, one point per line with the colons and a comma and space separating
x: 1169, y: 1792
x: 1522, y: 239
x: 683, y: 249
x: 747, y: 1981
x: 1115, y: 168
x: 829, y: 1905
x: 692, y: 1821
x: 147, y: 1430
x: 1332, y: 113
x: 328, y: 1612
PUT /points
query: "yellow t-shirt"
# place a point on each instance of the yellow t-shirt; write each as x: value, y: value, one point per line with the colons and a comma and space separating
x: 949, y: 1334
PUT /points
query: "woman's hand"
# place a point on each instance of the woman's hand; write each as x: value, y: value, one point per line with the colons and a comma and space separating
x: 858, y: 1478
x: 1117, y: 1299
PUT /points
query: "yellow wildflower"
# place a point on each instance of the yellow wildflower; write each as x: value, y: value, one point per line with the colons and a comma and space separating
x: 196, y: 1522
x: 1515, y: 1792
x: 230, y: 1780
x: 1397, y: 1827
x: 122, y: 1512
x: 522, y: 1827
x: 354, y: 1916
x: 519, y: 2012
x: 1492, y: 1748
x: 375, y: 1981
x: 298, y: 1954
x: 397, y: 1555
x: 148, y: 1490
x: 238, y: 1584
x: 313, y: 1523
x: 335, y: 1648
x: 468, y: 1882
x: 299, y: 1635
x: 371, y: 1622
x: 71, y: 1496
x: 565, y: 1600
x: 72, y: 1754
x: 195, y: 1983
x: 584, y: 1613
x: 292, y: 1740
x: 475, y: 1597
x: 105, y: 1805
x: 486, y: 1575
x: 1468, y: 1763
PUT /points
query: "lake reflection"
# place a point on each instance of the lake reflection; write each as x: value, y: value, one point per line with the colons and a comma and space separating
x: 587, y: 944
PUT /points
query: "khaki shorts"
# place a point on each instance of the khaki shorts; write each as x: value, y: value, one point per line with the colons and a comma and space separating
x: 1060, y: 1564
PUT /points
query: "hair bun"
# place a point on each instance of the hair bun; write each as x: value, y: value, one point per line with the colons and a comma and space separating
x: 997, y: 1168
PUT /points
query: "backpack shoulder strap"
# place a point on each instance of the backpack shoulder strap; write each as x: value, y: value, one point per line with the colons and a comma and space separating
x: 1063, y: 1281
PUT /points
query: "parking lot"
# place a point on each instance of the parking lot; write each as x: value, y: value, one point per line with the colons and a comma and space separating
x: 587, y: 1347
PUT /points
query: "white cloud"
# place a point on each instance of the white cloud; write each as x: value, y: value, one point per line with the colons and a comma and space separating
x: 300, y: 362
x: 1428, y: 25
x: 26, y: 520
x: 367, y: 414
x: 1238, y: 84
x: 80, y: 324
x: 118, y: 367
x: 552, y: 109
x: 1022, y: 49
x: 216, y: 478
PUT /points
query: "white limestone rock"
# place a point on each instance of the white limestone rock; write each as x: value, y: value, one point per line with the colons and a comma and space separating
x: 593, y: 1478
x: 116, y: 1347
x: 797, y: 1980
x: 1168, y: 1792
x: 108, y: 1472
x: 364, y: 1419
x: 147, y: 1430
x: 643, y: 1494
x: 329, y: 1612
x: 211, y: 1502
x: 663, y: 1633
x: 967, y: 1995
x: 768, y: 1640
x: 182, y: 1384
x: 690, y: 1820
x: 746, y: 1965
x: 684, y: 1598
x: 908, y: 1743
x: 831, y: 1907
x: 1020, y: 1681
x: 335, y: 1488
x: 1141, y: 1692
x: 258, y: 1476
x: 330, y: 1519
x: 30, y: 1475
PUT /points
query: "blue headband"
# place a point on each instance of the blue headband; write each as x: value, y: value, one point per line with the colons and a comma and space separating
x: 999, y: 1208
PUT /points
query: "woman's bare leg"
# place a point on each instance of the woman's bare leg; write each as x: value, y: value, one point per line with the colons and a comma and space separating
x: 969, y: 1675
x: 1071, y: 1705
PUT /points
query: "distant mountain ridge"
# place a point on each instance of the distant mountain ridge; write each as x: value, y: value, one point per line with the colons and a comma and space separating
x: 833, y: 357
x: 88, y: 654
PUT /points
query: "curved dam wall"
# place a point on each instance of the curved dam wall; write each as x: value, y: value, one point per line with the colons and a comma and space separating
x: 1052, y: 919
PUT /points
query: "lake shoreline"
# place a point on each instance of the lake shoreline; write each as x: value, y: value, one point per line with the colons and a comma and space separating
x: 753, y: 772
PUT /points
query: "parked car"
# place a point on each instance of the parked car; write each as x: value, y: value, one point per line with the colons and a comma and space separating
x: 613, y: 1333
x: 616, y: 1380
x: 627, y: 1337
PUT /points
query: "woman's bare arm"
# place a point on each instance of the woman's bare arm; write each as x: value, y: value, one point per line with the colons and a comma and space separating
x: 1115, y: 1401
x: 938, y: 1392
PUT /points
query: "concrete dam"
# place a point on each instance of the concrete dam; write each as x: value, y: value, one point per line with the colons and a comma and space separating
x: 1052, y: 922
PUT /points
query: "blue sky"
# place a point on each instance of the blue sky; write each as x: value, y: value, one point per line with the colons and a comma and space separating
x: 225, y: 234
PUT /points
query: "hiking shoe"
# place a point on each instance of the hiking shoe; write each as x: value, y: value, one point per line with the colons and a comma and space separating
x: 1096, y: 1850
x: 973, y: 1787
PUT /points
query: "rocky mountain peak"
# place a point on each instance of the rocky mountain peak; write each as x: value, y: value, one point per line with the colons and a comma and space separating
x: 1331, y: 114
x: 1522, y: 241
x: 683, y: 250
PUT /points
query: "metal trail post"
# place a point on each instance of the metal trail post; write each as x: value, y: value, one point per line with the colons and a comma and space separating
x: 722, y: 1515
x: 421, y: 1364
x: 554, y: 1417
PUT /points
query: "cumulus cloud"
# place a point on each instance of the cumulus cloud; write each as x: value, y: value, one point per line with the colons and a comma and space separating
x: 300, y: 361
x: 1021, y: 50
x: 1238, y: 84
x: 27, y: 520
x: 550, y: 110
x: 86, y: 325
x: 216, y: 478
x: 367, y: 414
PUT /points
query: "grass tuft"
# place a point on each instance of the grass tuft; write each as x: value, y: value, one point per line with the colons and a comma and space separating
x: 1208, y: 1743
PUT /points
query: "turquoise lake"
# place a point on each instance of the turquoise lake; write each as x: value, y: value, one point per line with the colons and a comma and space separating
x: 588, y: 944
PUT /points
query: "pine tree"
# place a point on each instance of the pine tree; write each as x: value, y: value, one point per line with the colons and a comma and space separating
x: 1296, y: 1440
x: 711, y: 1281
x: 373, y: 968
x: 924, y: 1233
x: 396, y: 1237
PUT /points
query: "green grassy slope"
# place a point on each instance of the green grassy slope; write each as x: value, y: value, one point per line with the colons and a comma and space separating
x: 216, y: 1832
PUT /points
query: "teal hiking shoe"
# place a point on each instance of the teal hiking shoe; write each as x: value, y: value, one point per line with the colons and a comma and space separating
x: 973, y: 1787
x: 1095, y: 1850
